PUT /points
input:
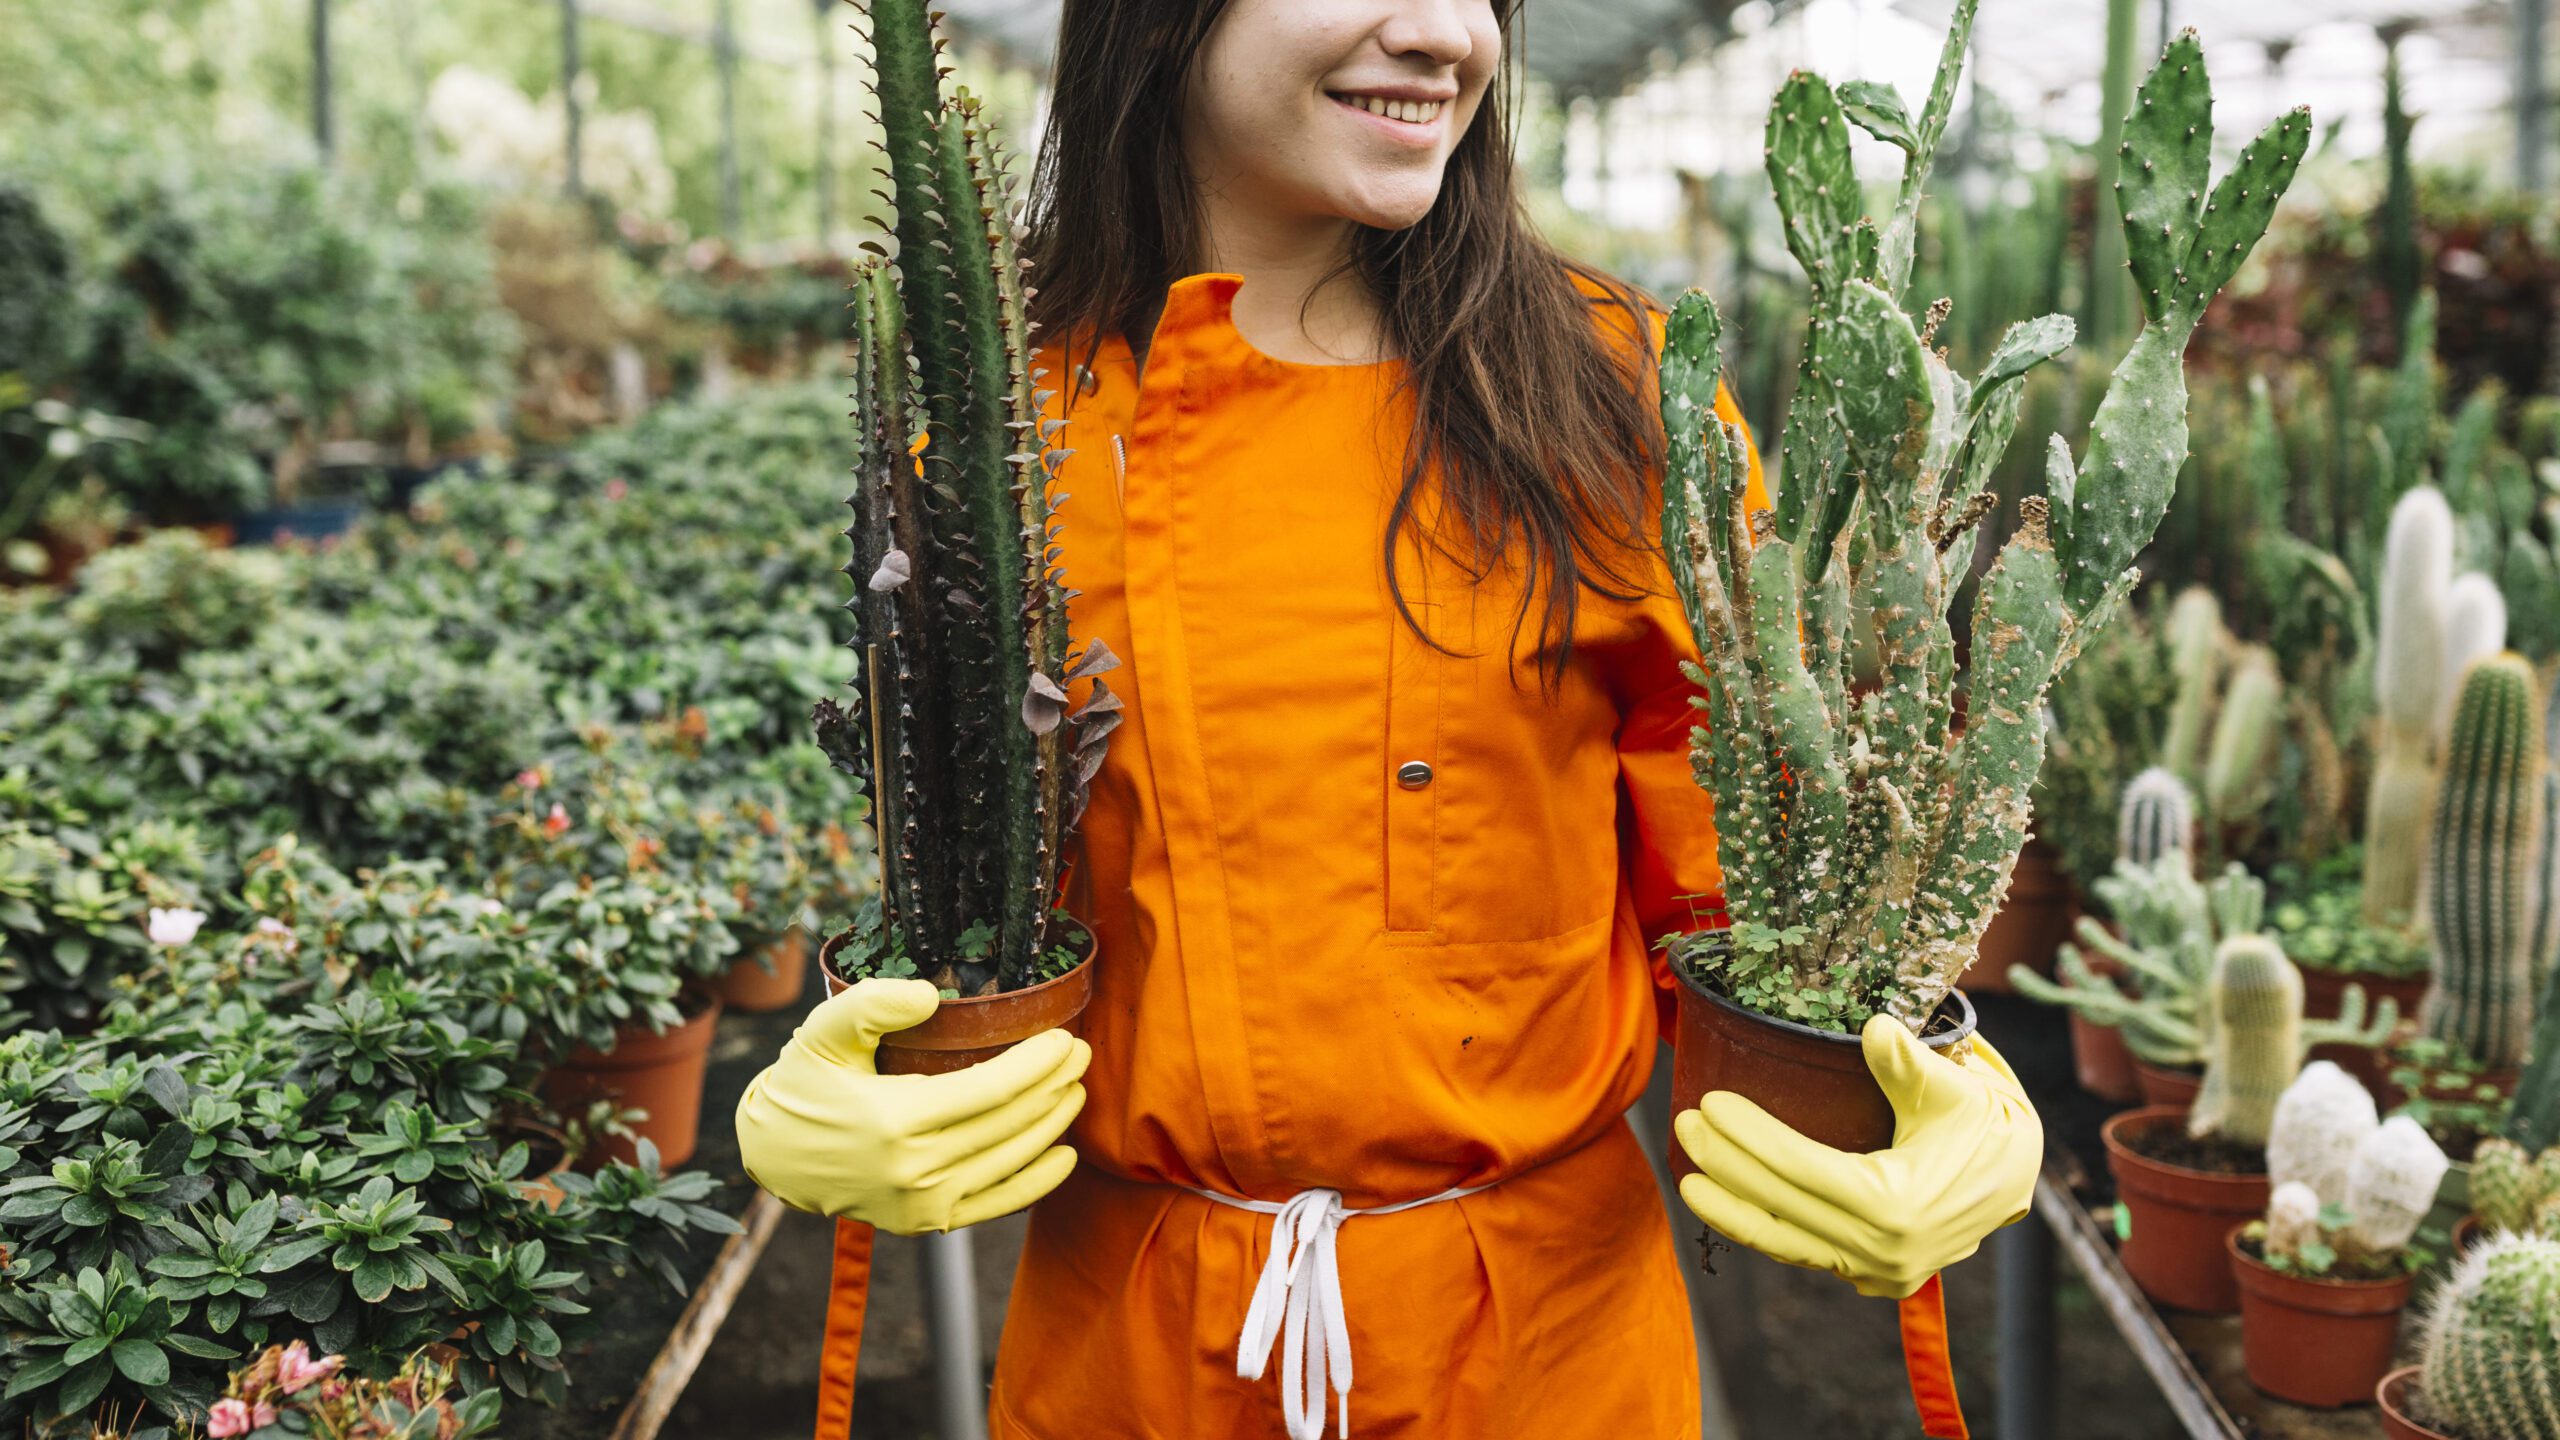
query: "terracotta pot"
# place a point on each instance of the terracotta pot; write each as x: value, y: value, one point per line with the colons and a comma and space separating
x: 2313, y: 1341
x: 750, y: 988
x: 2395, y: 1394
x: 963, y: 1032
x: 2466, y: 1233
x: 2162, y: 1086
x: 659, y: 1072
x: 541, y: 1186
x: 2179, y: 1216
x: 2324, y: 993
x: 1814, y: 1080
x: 2103, y: 1062
x: 2031, y: 923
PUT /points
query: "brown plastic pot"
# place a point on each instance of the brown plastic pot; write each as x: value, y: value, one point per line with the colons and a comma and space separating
x: 2164, y: 1087
x: 2031, y: 923
x: 2103, y: 1062
x: 961, y: 1033
x: 1815, y: 1081
x: 2324, y: 994
x: 660, y: 1072
x: 2396, y: 1394
x: 2178, y: 1216
x: 2324, y: 1343
x: 2466, y: 1233
x: 750, y: 988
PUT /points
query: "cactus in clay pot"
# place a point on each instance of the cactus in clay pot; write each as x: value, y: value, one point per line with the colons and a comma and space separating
x: 2389, y: 1182
x: 2488, y: 1350
x: 2483, y: 871
x: 960, y: 731
x: 2156, y: 816
x: 2252, y: 1040
x: 1866, y: 841
x: 2417, y: 570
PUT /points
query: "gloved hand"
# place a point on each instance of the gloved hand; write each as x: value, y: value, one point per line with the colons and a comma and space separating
x: 825, y: 1131
x: 1966, y: 1149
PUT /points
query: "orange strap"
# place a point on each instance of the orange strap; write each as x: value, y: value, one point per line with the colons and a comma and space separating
x: 1925, y: 1360
x: 848, y: 1292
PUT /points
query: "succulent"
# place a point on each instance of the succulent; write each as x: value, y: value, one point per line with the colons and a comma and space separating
x: 2483, y: 869
x: 2252, y: 1040
x: 2488, y: 1350
x: 974, y: 765
x: 2417, y: 570
x: 2156, y: 816
x: 2324, y: 1115
x: 2513, y: 1189
x: 2386, y: 1185
x: 1867, y: 838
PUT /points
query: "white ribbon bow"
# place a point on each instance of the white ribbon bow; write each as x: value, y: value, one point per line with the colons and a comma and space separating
x: 1301, y: 1287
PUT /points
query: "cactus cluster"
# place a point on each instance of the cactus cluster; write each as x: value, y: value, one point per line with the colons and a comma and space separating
x: 2156, y: 816
x: 2484, y: 874
x: 960, y: 730
x: 2512, y: 1189
x: 1866, y: 837
x: 2488, y: 1350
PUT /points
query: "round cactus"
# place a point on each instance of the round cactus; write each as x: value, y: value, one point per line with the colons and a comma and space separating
x: 2503, y: 1186
x: 2155, y: 816
x: 2490, y: 1347
x: 2321, y: 1119
x: 2254, y: 1043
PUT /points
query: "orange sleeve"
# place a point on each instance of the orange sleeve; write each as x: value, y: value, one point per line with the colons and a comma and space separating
x: 1666, y: 822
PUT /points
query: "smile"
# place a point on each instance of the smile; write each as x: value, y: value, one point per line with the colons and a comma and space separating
x: 1417, y: 113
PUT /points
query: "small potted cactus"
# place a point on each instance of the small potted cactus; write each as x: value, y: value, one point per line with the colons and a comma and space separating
x: 2488, y: 1351
x: 964, y: 737
x: 1865, y: 842
x: 2186, y: 1176
x: 2324, y: 1276
x: 2513, y: 1192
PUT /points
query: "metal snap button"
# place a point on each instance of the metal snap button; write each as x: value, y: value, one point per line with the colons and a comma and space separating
x: 1413, y: 774
x: 1086, y: 381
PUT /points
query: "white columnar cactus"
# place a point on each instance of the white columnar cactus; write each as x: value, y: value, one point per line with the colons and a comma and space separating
x: 2409, y: 686
x: 2324, y: 1115
x: 2475, y: 625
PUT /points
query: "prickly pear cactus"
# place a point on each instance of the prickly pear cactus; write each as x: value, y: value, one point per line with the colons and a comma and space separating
x: 959, y: 730
x: 1866, y: 839
x: 2489, y: 1349
x: 2253, y: 1040
x: 2417, y: 570
x: 2324, y: 1115
x: 2156, y: 816
x: 2482, y: 866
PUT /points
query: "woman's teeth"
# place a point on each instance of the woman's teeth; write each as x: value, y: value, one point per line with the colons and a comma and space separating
x: 1412, y: 112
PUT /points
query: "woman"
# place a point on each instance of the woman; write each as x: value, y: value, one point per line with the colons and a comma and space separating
x: 1362, y: 482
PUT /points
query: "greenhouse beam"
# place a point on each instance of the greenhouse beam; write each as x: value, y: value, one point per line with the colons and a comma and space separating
x: 323, y: 132
x: 2533, y: 96
x: 569, y: 91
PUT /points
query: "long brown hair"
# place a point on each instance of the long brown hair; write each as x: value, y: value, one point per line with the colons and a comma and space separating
x: 1540, y: 427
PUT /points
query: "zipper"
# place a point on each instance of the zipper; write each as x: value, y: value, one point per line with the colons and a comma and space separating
x: 1120, y: 473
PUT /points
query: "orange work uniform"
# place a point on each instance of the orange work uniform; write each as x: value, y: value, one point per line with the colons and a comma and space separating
x: 1370, y: 918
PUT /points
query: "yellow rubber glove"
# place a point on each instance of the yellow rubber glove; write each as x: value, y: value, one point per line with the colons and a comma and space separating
x: 824, y: 1131
x: 1966, y: 1149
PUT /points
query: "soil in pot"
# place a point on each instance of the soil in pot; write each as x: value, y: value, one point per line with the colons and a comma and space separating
x: 2397, y: 1394
x: 768, y: 978
x: 2314, y: 1340
x: 964, y: 1031
x: 1816, y: 1081
x: 660, y: 1072
x: 2162, y: 1085
x: 2181, y: 1197
x: 2031, y: 923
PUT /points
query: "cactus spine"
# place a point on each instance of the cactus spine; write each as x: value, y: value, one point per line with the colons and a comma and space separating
x: 1866, y: 838
x: 2482, y: 868
x: 2417, y: 570
x: 2155, y: 817
x: 974, y: 766
x: 2489, y: 1348
x: 2253, y: 1040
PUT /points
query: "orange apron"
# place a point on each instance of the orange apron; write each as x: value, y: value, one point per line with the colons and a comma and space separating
x: 1372, y: 919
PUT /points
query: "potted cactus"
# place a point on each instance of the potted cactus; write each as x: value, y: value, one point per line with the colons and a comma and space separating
x: 2324, y: 1276
x: 963, y: 736
x: 1865, y: 842
x: 2488, y: 1353
x: 2187, y: 1175
x: 2513, y: 1192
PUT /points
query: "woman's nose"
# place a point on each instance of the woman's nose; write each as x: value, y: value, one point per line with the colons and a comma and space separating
x: 1436, y: 29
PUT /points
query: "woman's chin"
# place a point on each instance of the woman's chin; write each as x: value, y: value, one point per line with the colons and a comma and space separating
x: 1389, y: 208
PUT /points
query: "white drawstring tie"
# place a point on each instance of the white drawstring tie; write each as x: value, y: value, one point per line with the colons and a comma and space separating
x: 1301, y: 1286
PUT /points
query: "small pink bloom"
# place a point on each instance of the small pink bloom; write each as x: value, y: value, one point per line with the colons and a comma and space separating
x: 557, y: 821
x: 229, y: 1417
x: 295, y: 1368
x: 263, y: 1416
x: 616, y: 488
x: 528, y: 779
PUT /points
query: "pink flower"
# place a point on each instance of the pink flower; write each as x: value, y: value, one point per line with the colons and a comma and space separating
x: 528, y: 779
x: 295, y: 1368
x: 557, y: 821
x: 263, y: 1416
x: 174, y: 926
x: 616, y: 488
x: 229, y: 1417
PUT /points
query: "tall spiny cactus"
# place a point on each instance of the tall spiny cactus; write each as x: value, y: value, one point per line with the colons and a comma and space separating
x: 2482, y: 867
x: 1866, y: 840
x: 2156, y: 816
x: 2253, y: 1040
x: 2533, y: 1121
x: 2417, y: 570
x: 2489, y: 1352
x: 2475, y: 626
x: 2198, y: 644
x: 975, y: 771
x: 2244, y: 734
